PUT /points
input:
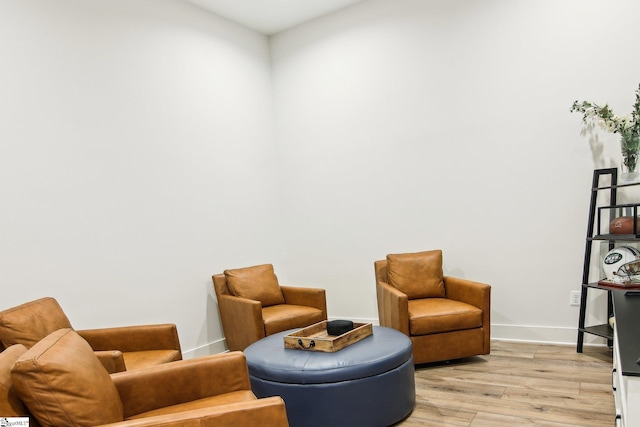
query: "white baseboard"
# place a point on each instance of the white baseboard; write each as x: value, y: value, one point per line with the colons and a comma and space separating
x: 542, y: 334
x: 521, y: 333
x: 215, y: 347
x: 220, y: 346
x: 527, y: 333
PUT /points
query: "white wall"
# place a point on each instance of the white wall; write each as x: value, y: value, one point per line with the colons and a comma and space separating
x: 138, y: 153
x: 408, y: 125
x: 137, y: 159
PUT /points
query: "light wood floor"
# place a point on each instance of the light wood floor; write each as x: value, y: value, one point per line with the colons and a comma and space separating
x: 518, y: 384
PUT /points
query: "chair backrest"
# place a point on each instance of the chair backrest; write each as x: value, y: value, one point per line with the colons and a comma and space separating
x: 30, y: 322
x: 220, y: 285
x: 418, y: 275
x: 62, y: 383
x: 258, y: 283
x: 381, y: 270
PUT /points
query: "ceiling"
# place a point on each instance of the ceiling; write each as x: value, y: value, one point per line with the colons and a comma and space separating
x: 272, y: 16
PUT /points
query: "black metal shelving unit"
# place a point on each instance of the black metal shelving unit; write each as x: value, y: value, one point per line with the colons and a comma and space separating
x: 603, y: 330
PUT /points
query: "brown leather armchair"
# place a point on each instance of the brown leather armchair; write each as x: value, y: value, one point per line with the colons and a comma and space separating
x: 445, y: 317
x: 253, y: 305
x: 119, y: 348
x: 60, y: 382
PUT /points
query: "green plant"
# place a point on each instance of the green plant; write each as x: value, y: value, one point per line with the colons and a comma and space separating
x: 627, y: 126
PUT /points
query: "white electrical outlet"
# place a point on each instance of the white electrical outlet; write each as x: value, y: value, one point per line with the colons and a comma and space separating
x: 574, y: 298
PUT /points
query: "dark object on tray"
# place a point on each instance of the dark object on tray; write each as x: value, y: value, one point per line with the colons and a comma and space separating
x: 339, y: 327
x: 623, y: 225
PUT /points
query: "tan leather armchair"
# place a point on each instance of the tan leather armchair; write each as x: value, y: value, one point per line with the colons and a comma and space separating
x: 118, y: 348
x: 60, y: 382
x: 445, y: 317
x: 253, y: 305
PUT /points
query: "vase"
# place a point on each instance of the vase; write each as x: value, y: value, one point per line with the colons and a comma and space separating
x: 630, y: 145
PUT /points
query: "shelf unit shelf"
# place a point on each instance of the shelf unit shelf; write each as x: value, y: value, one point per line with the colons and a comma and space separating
x: 603, y: 330
x: 615, y: 237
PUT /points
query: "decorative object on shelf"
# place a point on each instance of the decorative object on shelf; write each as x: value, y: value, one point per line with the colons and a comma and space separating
x: 630, y: 145
x: 611, y: 284
x: 622, y: 266
x: 624, y: 225
x: 627, y: 126
x: 612, y: 320
x: 617, y: 261
x: 619, y: 219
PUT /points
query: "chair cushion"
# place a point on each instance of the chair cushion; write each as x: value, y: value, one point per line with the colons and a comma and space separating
x: 30, y: 322
x: 436, y: 315
x: 143, y: 359
x: 289, y: 316
x: 62, y: 383
x: 418, y: 275
x: 10, y: 403
x: 258, y: 283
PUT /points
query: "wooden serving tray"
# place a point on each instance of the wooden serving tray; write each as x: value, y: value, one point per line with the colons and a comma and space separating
x: 316, y: 338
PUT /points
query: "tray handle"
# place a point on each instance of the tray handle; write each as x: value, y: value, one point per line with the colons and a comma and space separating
x: 312, y: 343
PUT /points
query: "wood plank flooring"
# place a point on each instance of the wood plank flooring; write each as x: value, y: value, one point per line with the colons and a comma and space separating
x: 518, y: 384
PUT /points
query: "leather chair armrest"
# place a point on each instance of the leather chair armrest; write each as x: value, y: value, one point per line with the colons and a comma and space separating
x: 474, y: 293
x: 393, y: 307
x: 241, y: 320
x: 133, y: 338
x: 267, y: 412
x: 112, y: 360
x: 310, y: 297
x: 181, y: 381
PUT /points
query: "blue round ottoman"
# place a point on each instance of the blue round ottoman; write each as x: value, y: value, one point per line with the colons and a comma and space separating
x: 370, y: 383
